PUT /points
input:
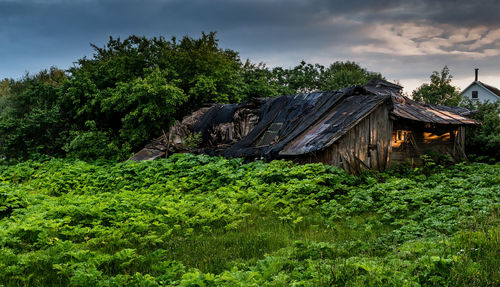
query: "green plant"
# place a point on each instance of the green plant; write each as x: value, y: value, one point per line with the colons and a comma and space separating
x: 193, y: 141
x: 439, y: 91
x: 484, y: 141
x: 193, y: 220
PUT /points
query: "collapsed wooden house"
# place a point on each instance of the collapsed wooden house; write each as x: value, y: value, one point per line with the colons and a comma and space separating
x: 369, y: 127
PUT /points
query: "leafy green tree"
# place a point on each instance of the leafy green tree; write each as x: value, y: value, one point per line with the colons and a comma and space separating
x: 4, y: 94
x: 260, y: 81
x: 144, y: 105
x: 304, y: 77
x: 30, y: 121
x: 308, y: 77
x: 343, y: 74
x: 133, y: 89
x: 439, y: 91
x: 484, y: 141
x: 127, y: 115
x: 206, y: 72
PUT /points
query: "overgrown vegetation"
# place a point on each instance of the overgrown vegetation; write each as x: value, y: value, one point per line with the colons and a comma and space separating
x: 207, y: 221
x: 484, y: 142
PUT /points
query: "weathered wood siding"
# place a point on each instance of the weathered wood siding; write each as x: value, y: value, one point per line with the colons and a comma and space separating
x: 366, y: 145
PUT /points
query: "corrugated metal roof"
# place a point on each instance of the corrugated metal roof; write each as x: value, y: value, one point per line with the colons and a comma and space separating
x: 334, y: 124
x: 284, y: 118
x: 408, y: 109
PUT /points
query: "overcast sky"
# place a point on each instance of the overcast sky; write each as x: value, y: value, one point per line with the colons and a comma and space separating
x: 403, y: 40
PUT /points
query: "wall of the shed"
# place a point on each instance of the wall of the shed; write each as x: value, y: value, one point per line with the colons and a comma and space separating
x: 366, y: 145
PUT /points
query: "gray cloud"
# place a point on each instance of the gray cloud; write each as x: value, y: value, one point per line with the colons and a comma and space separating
x: 401, y: 39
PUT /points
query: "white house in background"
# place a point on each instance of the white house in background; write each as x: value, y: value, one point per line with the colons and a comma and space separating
x: 478, y: 91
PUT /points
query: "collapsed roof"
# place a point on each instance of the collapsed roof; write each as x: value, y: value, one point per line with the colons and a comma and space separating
x: 292, y: 124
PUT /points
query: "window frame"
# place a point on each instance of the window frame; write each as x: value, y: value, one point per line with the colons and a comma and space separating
x: 475, y: 95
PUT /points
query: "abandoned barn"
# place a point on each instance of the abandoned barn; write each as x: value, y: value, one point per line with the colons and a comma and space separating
x: 369, y: 127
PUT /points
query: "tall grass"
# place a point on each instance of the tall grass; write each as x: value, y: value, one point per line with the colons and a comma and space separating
x: 477, y: 247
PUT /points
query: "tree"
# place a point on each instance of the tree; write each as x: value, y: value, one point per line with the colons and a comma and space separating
x: 259, y: 81
x: 484, y: 141
x: 439, y: 91
x: 304, y: 77
x: 344, y: 74
x: 30, y: 120
x: 308, y: 77
x: 131, y: 90
x: 4, y: 94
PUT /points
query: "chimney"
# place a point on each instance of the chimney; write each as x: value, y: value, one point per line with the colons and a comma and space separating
x: 476, y: 74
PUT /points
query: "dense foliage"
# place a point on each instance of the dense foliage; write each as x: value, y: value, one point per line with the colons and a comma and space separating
x: 439, y: 91
x: 305, y: 77
x: 130, y: 91
x: 203, y: 221
x: 484, y: 142
x: 30, y: 117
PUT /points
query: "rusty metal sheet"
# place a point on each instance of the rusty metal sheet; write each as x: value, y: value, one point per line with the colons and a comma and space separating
x: 334, y: 124
x: 419, y: 113
x: 456, y: 116
x: 283, y: 119
x: 409, y: 109
x: 147, y: 154
x: 270, y: 135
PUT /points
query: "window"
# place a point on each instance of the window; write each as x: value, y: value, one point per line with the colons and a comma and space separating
x: 270, y: 135
x: 399, y: 135
x: 474, y: 94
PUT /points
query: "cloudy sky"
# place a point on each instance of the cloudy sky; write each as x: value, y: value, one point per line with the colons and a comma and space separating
x: 404, y: 40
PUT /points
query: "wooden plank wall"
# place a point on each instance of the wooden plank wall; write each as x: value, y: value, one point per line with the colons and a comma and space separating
x: 366, y: 145
x: 459, y: 146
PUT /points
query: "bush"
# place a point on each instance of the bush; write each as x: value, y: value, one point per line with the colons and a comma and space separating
x: 94, y: 144
x: 484, y: 142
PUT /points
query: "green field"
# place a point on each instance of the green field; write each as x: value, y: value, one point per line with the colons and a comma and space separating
x: 207, y: 221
